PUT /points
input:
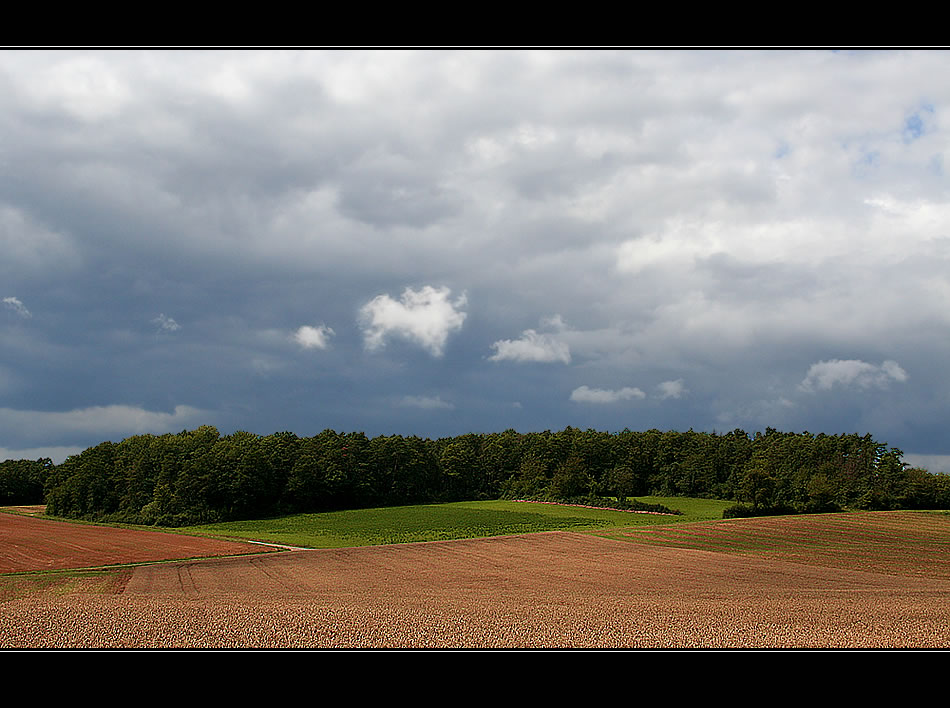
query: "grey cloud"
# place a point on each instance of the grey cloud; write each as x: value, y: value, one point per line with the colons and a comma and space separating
x: 386, y: 190
x: 585, y: 394
x: 672, y: 389
x: 426, y: 402
x: 388, y: 204
x: 56, y: 453
x: 14, y: 304
x: 706, y: 217
x: 166, y: 323
x: 932, y: 463
x: 27, y: 244
x: 98, y: 420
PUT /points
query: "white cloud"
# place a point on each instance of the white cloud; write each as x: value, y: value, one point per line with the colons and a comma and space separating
x: 88, y: 87
x: 313, y: 337
x: 532, y: 346
x: 166, y: 324
x: 585, y: 394
x: 427, y: 402
x: 425, y: 317
x: 672, y: 389
x: 535, y: 346
x: 18, y: 307
x: 851, y: 373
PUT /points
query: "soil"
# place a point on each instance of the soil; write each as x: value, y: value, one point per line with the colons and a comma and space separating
x: 29, y: 543
x: 549, y: 590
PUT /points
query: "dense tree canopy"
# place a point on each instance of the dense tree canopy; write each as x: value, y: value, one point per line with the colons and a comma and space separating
x: 21, y: 481
x: 200, y: 476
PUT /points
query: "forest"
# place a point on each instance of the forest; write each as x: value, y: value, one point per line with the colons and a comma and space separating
x: 201, y: 476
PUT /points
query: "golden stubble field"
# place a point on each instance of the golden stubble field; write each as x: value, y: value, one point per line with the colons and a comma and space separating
x: 549, y: 590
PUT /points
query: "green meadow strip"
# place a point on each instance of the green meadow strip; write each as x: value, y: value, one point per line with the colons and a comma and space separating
x: 433, y: 522
x: 409, y: 524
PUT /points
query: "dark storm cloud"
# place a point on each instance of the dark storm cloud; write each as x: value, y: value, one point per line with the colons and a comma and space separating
x: 436, y: 242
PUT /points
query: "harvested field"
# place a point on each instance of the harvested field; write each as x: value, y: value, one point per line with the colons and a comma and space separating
x: 31, y: 544
x: 28, y: 510
x: 557, y: 589
x: 895, y: 542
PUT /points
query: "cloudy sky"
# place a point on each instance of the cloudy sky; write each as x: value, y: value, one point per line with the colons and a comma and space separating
x: 434, y: 243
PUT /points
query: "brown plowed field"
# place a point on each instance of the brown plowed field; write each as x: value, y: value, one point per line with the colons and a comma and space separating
x: 908, y: 543
x: 30, y: 544
x: 542, y: 590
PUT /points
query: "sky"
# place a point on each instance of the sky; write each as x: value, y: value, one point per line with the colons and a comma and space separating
x: 435, y: 243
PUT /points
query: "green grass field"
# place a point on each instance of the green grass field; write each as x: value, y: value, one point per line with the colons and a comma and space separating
x: 408, y: 524
x: 693, y: 509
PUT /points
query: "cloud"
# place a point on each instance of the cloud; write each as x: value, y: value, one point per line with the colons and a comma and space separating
x: 264, y: 365
x: 723, y: 220
x: 26, y: 245
x: 427, y: 402
x: 313, y: 337
x: 852, y: 373
x: 931, y: 463
x: 584, y: 394
x: 672, y: 389
x: 97, y: 421
x: 57, y: 453
x: 555, y: 322
x: 535, y: 346
x: 425, y: 317
x: 166, y: 324
x: 531, y: 347
x: 18, y: 307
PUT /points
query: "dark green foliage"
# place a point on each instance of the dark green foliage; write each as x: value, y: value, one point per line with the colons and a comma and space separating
x: 741, y: 511
x: 571, y: 479
x: 621, y: 482
x: 820, y: 493
x: 85, y: 485
x: 462, y: 478
x: 529, y: 481
x: 21, y: 481
x: 592, y: 500
x: 199, y: 476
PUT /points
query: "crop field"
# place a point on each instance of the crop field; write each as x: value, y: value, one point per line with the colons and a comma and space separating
x: 430, y: 522
x: 28, y: 543
x: 845, y: 580
x: 690, y: 508
x: 908, y: 543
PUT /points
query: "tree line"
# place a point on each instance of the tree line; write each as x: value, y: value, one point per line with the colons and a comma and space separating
x: 200, y: 476
x: 22, y: 481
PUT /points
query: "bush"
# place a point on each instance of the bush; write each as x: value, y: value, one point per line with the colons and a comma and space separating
x: 592, y: 500
x: 742, y: 511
